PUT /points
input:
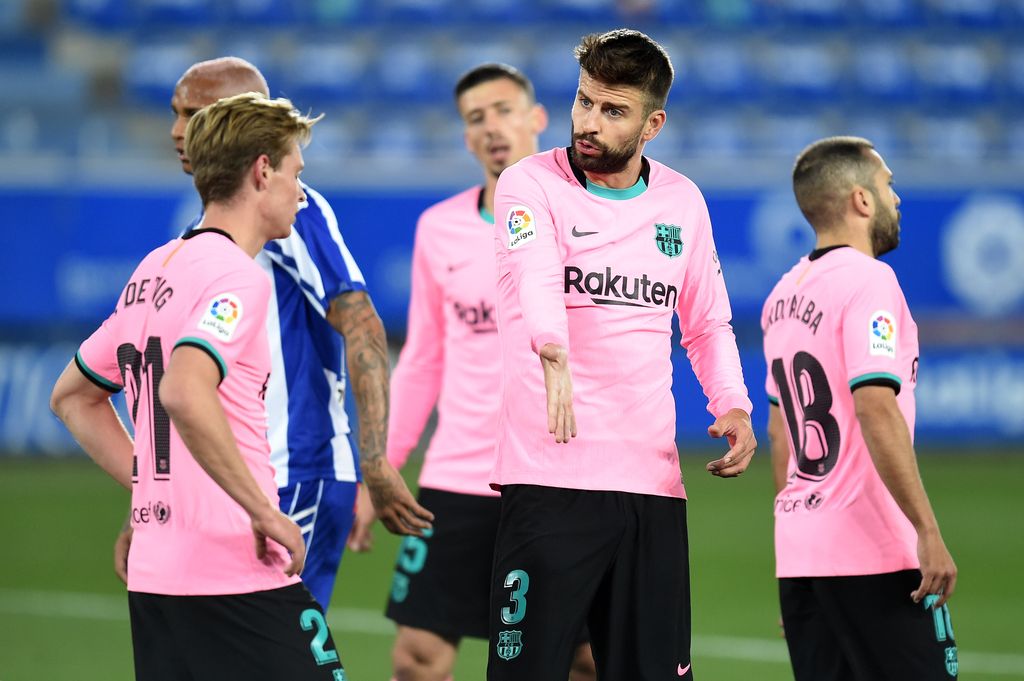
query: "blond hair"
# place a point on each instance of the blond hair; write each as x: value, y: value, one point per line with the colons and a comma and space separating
x: 223, y: 140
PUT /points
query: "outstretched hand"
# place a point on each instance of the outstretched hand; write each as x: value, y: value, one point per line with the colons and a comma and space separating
x: 393, y: 502
x: 558, y: 385
x: 734, y: 426
x: 277, y: 526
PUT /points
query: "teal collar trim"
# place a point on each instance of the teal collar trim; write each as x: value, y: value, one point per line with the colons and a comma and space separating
x: 486, y: 215
x: 617, y: 194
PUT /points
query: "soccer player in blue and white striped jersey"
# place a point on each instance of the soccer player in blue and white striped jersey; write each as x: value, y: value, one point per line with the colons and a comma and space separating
x: 320, y: 313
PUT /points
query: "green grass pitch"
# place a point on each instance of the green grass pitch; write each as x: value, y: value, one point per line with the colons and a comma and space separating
x: 63, y: 614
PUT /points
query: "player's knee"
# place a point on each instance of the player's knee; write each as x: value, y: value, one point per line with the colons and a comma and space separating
x: 583, y: 667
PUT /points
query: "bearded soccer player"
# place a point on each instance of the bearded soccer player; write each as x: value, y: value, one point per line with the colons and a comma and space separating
x: 210, y: 578
x: 440, y: 591
x: 864, y: 574
x: 320, y: 323
x: 597, y: 247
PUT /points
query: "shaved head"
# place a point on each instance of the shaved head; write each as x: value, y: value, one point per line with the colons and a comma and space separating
x: 228, y: 76
x: 205, y: 83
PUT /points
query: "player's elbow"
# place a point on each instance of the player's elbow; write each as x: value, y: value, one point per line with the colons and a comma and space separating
x: 59, y: 400
x: 64, y: 396
x: 174, y: 391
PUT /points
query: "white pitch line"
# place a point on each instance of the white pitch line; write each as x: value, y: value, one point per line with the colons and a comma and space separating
x: 114, y: 608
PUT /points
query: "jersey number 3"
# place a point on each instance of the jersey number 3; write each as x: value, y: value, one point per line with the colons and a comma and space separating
x: 813, y: 431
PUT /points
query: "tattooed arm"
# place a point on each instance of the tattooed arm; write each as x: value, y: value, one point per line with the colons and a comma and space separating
x: 352, y: 314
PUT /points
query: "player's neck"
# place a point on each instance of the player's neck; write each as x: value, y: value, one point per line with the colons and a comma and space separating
x: 487, y: 199
x: 238, y: 222
x: 845, y: 237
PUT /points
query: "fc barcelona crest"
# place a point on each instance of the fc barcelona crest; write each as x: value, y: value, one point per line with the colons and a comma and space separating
x: 667, y: 239
x: 952, y: 661
x: 510, y: 644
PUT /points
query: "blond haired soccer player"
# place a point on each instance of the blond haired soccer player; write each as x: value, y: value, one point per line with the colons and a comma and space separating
x: 864, y: 574
x: 214, y: 567
x: 321, y: 322
x: 598, y: 248
x: 440, y: 590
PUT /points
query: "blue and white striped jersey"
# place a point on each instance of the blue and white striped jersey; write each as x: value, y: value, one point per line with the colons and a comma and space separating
x: 309, y: 432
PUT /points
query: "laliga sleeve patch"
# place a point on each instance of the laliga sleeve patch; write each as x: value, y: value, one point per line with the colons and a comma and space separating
x: 222, y: 316
x: 882, y: 334
x: 522, y: 227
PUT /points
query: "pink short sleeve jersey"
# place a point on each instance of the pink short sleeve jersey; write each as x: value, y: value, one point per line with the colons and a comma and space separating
x: 834, y: 323
x: 190, y: 537
x: 602, y: 272
x: 450, y: 356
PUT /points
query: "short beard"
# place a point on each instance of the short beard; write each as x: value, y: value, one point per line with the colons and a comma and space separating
x: 884, y: 230
x: 610, y: 161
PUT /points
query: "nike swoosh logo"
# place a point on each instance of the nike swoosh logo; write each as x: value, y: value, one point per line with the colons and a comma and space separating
x: 577, y: 232
x: 681, y: 670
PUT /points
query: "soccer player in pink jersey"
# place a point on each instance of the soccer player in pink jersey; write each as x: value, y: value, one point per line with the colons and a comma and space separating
x: 864, y: 574
x: 213, y: 570
x: 598, y: 247
x: 440, y: 591
x: 321, y: 322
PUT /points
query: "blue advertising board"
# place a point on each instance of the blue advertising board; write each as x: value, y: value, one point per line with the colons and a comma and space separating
x: 68, y: 252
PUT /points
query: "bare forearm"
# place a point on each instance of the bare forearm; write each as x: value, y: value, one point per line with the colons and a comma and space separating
x: 366, y: 356
x: 779, y: 447
x: 203, y: 427
x: 780, y: 462
x: 98, y: 429
x: 892, y: 452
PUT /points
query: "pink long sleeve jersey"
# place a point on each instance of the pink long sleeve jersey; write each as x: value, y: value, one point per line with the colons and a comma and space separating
x: 450, y: 356
x: 601, y: 271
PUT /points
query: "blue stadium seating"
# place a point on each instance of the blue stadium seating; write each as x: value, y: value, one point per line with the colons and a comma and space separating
x: 798, y: 69
x: 408, y: 70
x: 955, y: 72
x: 891, y: 13
x: 101, y: 14
x: 753, y: 76
x: 326, y: 71
x: 152, y: 69
x: 881, y: 69
x: 265, y: 12
x: 720, y: 70
x: 163, y: 13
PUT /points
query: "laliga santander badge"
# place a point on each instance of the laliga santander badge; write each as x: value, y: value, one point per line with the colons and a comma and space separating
x: 522, y: 227
x: 222, y: 316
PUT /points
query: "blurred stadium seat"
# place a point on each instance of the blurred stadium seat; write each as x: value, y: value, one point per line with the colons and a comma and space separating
x: 163, y: 13
x: 265, y: 12
x: 797, y: 69
x: 955, y: 72
x: 326, y: 71
x: 891, y: 12
x: 152, y: 69
x: 101, y: 14
x: 882, y: 71
x: 408, y: 70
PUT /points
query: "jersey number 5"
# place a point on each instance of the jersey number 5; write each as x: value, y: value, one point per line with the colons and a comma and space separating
x: 813, y: 431
x: 141, y: 372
